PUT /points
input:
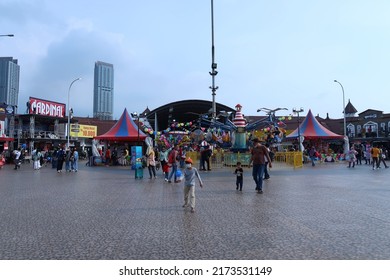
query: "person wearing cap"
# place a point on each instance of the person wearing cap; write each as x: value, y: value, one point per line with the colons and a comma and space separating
x: 190, y: 173
x: 259, y: 153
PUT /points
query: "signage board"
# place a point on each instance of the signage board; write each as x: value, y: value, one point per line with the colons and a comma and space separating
x: 46, y: 108
x: 83, y: 131
x: 136, y: 157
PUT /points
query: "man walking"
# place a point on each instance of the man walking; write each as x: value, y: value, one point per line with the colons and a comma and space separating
x: 375, y: 157
x: 259, y: 153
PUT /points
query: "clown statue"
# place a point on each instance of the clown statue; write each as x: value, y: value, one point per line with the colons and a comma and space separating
x: 239, y: 142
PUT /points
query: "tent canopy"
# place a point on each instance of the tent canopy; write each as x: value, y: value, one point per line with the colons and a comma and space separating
x: 310, y: 128
x: 125, y: 129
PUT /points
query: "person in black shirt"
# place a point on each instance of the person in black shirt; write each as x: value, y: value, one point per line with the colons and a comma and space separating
x: 239, y: 176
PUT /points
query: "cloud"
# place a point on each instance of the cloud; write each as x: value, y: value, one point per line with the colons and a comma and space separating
x: 22, y: 12
x: 70, y: 57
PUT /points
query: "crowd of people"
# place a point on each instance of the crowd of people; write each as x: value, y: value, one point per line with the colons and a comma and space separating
x: 373, y: 156
x: 177, y: 167
x: 68, y: 156
x: 40, y: 158
x: 173, y: 160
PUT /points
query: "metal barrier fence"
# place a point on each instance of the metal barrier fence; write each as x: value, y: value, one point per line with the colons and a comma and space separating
x: 221, y: 159
x: 216, y: 160
x: 292, y: 158
x: 231, y: 159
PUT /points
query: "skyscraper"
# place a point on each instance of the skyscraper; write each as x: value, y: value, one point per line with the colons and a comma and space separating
x: 103, y: 92
x: 9, y: 81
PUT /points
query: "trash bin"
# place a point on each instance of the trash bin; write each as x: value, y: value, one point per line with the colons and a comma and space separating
x: 139, y: 173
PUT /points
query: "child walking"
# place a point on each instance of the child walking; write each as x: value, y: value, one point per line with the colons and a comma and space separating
x: 239, y: 176
x: 189, y: 184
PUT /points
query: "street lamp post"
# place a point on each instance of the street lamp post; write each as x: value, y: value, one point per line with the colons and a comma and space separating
x: 135, y: 114
x: 346, y: 142
x: 345, y: 121
x: 68, y: 144
x: 297, y: 111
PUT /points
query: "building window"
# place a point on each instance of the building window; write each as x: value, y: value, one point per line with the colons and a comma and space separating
x: 350, y: 130
x: 388, y: 128
x: 359, y: 130
x: 370, y: 129
x: 382, y: 131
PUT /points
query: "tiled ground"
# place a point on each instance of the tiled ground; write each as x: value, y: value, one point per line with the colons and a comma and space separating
x: 325, y: 212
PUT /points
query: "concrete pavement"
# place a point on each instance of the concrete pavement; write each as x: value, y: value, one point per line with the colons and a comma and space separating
x: 325, y: 212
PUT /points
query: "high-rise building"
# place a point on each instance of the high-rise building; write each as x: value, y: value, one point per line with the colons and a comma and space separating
x: 9, y: 81
x: 103, y: 91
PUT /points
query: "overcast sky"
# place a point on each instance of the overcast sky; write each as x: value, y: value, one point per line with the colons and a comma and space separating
x: 279, y: 53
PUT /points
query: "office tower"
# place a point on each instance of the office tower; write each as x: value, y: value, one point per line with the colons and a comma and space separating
x: 9, y: 81
x: 103, y: 92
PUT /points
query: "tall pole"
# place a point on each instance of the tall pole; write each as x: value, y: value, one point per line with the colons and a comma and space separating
x: 345, y: 120
x: 136, y: 115
x: 346, y: 148
x: 68, y: 144
x: 214, y: 71
x: 138, y: 127
x: 299, y: 134
x: 297, y: 111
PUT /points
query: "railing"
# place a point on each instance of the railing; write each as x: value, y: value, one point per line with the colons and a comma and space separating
x: 221, y: 159
x: 46, y: 135
x: 231, y: 159
x: 216, y: 160
x: 292, y: 158
x: 38, y: 134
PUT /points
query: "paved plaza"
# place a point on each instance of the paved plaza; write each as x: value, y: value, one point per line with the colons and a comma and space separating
x: 322, y: 212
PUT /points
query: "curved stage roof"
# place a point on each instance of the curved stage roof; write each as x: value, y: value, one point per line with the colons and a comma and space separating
x: 182, y: 111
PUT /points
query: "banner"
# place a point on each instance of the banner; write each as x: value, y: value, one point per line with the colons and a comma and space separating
x: 83, y: 131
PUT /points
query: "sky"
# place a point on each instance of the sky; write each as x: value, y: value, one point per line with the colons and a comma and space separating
x: 270, y: 54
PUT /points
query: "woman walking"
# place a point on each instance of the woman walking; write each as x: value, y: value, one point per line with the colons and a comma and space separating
x: 151, y: 162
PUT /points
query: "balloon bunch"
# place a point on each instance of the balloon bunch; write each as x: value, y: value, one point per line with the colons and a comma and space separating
x: 274, y: 132
x: 175, y: 126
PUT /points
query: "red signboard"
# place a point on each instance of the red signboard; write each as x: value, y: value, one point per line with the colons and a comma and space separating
x: 46, y: 108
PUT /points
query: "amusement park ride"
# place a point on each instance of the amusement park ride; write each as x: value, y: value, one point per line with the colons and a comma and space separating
x: 238, y: 127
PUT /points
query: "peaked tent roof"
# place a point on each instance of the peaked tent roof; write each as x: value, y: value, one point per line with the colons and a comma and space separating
x: 125, y: 129
x: 310, y: 128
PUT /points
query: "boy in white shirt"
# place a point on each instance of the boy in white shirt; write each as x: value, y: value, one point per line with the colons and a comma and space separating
x: 189, y: 184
